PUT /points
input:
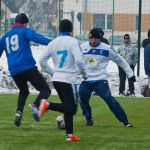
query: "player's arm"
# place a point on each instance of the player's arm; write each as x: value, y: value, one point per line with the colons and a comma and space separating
x: 78, y: 56
x: 120, y: 61
x: 31, y: 35
x: 44, y: 61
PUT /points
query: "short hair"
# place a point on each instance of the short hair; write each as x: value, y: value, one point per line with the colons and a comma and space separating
x: 101, y: 32
x: 126, y: 36
x: 65, y: 26
x: 94, y: 33
x: 21, y: 18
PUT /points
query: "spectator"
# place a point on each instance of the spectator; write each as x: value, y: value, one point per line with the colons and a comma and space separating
x: 130, y: 54
x: 146, y: 41
x: 147, y: 64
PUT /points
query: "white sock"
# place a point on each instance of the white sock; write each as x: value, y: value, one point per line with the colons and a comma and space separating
x: 69, y: 134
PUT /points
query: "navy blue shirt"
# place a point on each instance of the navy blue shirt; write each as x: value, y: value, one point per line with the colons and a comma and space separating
x: 16, y: 44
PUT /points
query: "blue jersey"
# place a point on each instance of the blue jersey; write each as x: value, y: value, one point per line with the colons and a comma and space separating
x: 16, y: 44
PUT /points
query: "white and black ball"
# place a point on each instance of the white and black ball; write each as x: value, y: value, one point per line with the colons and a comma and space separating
x: 60, y: 123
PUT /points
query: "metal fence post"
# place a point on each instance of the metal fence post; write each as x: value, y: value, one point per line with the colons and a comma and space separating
x: 58, y: 11
x: 139, y: 37
x: 113, y: 23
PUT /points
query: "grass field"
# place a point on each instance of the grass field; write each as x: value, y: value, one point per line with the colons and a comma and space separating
x: 106, y: 134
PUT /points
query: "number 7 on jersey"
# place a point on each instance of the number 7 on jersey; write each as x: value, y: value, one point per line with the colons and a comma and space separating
x: 63, y: 54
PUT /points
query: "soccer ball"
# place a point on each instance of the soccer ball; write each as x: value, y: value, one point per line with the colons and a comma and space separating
x: 60, y: 123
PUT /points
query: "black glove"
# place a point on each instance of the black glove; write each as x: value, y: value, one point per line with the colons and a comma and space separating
x: 85, y: 78
x: 133, y: 79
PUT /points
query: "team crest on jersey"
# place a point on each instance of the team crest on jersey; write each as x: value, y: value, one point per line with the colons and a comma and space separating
x: 92, y: 61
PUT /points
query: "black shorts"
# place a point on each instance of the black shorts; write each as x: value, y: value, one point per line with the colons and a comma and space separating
x: 33, y: 76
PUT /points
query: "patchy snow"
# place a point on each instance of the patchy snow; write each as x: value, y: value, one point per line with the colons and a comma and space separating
x: 7, y: 85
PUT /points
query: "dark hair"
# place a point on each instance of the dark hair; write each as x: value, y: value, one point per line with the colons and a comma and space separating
x: 21, y: 18
x: 126, y: 36
x: 101, y: 32
x: 65, y: 26
x: 94, y: 33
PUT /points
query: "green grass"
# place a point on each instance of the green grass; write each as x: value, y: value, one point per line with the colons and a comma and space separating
x: 106, y: 134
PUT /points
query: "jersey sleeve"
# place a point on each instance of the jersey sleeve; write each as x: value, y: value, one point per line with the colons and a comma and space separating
x: 44, y: 60
x: 78, y: 56
x: 31, y: 35
x: 120, y: 61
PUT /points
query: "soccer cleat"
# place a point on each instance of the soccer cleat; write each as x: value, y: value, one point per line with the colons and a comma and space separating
x: 121, y: 94
x: 72, y: 138
x: 34, y: 111
x: 89, y: 122
x: 43, y: 107
x: 18, y: 118
x: 128, y: 125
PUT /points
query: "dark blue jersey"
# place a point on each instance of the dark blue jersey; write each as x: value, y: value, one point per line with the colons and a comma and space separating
x: 16, y: 44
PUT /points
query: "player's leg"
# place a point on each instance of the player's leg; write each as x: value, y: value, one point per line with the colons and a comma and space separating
x: 69, y: 97
x: 38, y: 81
x: 69, y: 100
x: 85, y: 92
x: 103, y: 90
x: 122, y: 77
x: 21, y: 83
x: 45, y: 105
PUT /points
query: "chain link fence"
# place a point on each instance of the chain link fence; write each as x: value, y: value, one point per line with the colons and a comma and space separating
x: 115, y: 17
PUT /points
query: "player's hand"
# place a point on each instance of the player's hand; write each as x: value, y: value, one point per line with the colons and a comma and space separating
x: 85, y: 77
x: 133, y: 79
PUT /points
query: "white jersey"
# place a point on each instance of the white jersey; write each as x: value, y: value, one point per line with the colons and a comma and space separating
x: 67, y: 58
x: 97, y: 59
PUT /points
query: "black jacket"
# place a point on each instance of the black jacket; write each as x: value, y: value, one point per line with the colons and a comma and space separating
x: 104, y: 40
x: 144, y: 43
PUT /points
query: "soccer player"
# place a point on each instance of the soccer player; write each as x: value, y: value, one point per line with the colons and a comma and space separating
x: 68, y: 62
x: 97, y: 55
x: 22, y: 66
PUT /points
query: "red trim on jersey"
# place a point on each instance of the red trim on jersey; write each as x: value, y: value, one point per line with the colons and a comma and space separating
x: 18, y: 24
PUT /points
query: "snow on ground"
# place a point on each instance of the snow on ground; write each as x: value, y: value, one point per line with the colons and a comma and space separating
x: 7, y: 86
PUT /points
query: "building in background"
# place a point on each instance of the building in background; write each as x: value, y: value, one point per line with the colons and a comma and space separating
x: 100, y: 13
x: 113, y: 16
